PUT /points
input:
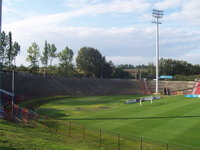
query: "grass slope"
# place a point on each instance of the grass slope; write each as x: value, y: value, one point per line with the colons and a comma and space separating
x: 16, y: 137
x: 173, y: 119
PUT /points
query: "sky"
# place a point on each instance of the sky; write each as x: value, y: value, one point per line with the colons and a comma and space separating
x: 120, y: 29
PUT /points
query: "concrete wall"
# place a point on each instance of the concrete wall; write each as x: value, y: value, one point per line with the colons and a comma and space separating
x: 172, y: 85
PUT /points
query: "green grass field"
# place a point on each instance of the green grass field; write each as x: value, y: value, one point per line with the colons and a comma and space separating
x: 173, y: 119
x: 18, y: 137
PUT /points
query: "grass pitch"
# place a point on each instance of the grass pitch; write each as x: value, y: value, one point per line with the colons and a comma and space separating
x: 173, y: 119
x: 16, y: 137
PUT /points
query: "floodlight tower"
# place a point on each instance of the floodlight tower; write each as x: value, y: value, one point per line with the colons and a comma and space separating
x: 157, y: 15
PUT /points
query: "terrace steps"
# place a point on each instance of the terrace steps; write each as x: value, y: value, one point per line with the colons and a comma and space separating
x: 197, y: 91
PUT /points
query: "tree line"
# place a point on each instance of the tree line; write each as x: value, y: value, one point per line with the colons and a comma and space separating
x: 179, y: 69
x: 8, y: 50
x: 88, y: 63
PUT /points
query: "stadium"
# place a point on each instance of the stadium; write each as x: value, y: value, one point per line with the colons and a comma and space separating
x: 107, y: 90
x: 94, y: 111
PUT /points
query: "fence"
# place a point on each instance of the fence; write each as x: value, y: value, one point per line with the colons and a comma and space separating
x: 102, y: 139
x: 182, y: 92
x: 99, y: 138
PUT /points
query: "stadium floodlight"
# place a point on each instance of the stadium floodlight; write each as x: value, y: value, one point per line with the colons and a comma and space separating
x: 157, y: 15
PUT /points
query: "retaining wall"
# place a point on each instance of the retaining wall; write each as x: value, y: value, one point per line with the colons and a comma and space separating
x: 172, y: 85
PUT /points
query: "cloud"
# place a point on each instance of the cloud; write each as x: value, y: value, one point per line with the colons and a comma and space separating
x: 181, y: 11
x: 116, y: 6
x: 80, y: 3
x: 101, y: 7
x: 112, y: 42
x: 133, y: 44
x: 192, y: 57
x: 169, y: 4
x: 136, y: 60
x: 175, y: 42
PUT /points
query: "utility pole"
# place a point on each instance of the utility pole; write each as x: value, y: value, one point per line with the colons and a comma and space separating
x: 157, y: 15
x: 0, y: 44
x: 1, y: 112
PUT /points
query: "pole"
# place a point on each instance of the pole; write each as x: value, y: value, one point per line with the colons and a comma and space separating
x: 13, y: 84
x: 0, y: 44
x: 157, y: 57
x: 69, y: 132
x: 45, y: 124
x: 83, y: 132
x: 157, y: 14
x: 118, y: 141
x: 13, y: 77
x: 100, y: 137
x: 57, y: 126
x: 35, y: 120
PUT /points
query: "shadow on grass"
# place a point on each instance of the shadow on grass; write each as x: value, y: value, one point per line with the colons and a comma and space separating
x: 130, y: 118
x: 7, y: 148
x: 50, y: 112
x: 83, y: 102
x: 69, y: 100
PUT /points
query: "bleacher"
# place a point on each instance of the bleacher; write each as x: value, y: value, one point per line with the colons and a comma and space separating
x: 197, y: 91
x: 36, y: 86
x: 172, y: 85
x: 30, y: 86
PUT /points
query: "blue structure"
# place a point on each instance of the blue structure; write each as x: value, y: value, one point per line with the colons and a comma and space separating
x: 195, y: 96
x: 4, y: 101
x: 1, y: 110
x: 166, y: 77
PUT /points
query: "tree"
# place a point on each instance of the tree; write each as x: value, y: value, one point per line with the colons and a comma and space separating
x: 9, y: 50
x: 121, y: 74
x: 65, y: 57
x: 52, y: 52
x: 22, y: 68
x: 108, y: 69
x: 45, y: 57
x: 102, y: 62
x: 89, y: 60
x: 33, y: 56
x: 16, y: 50
x: 4, y: 42
x: 151, y: 69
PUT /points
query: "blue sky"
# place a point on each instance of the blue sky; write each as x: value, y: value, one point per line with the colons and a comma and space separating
x: 120, y: 29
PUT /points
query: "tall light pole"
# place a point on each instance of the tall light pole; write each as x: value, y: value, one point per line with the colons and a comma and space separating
x: 0, y: 40
x: 1, y: 113
x: 157, y: 15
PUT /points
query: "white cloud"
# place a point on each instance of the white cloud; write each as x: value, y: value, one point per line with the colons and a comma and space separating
x: 128, y: 44
x: 166, y: 4
x: 80, y: 3
x: 192, y: 57
x: 96, y: 7
x: 136, y: 60
x: 185, y: 12
x: 91, y: 10
x: 112, y: 42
